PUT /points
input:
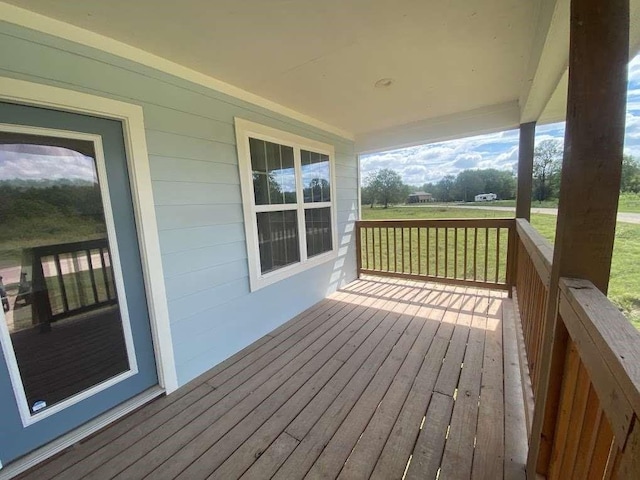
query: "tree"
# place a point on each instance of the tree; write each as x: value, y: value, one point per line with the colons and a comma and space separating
x: 500, y: 182
x: 630, y: 175
x: 469, y: 183
x: 385, y: 187
x: 547, y: 158
x: 445, y: 188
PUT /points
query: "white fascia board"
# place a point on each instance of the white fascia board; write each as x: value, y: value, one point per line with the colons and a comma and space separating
x: 494, y: 118
x: 41, y: 23
x: 548, y: 61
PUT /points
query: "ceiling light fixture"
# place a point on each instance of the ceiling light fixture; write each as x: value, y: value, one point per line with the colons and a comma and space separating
x: 383, y: 83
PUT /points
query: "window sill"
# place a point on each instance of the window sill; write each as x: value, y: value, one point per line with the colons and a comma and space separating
x: 270, y: 278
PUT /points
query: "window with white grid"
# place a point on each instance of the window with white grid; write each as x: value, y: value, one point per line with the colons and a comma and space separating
x: 288, y: 199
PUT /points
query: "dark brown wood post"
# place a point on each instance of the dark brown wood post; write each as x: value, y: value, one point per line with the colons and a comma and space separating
x: 525, y: 170
x: 590, y: 185
x: 358, y: 234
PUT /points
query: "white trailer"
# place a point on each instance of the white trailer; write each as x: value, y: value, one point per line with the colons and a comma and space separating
x: 486, y: 197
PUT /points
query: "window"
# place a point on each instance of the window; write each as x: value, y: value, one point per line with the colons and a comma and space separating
x: 287, y: 190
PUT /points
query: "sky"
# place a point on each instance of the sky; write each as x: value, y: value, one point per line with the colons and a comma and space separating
x: 430, y: 163
x: 43, y: 162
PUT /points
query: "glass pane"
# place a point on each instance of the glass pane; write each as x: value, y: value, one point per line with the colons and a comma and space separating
x: 315, y: 177
x: 274, y: 180
x: 56, y: 280
x: 278, y: 239
x: 318, y: 226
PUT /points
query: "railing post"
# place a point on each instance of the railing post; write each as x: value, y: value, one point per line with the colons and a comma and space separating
x: 512, y: 262
x: 358, y: 234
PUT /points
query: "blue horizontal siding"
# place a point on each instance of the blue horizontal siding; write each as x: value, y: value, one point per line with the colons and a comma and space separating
x: 179, y: 147
x: 186, y: 216
x: 196, y: 188
x: 185, y: 239
x: 172, y: 169
x: 192, y: 193
x: 187, y: 261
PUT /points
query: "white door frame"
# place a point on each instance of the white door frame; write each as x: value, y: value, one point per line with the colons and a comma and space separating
x: 131, y: 116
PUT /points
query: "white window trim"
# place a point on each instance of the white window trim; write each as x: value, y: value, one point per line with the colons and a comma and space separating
x: 245, y: 130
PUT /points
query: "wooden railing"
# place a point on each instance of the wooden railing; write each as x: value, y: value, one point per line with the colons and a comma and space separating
x: 462, y: 251
x: 67, y: 279
x: 597, y: 430
x: 592, y: 405
x: 533, y: 273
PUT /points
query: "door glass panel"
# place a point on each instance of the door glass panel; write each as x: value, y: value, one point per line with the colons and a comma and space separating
x: 56, y: 272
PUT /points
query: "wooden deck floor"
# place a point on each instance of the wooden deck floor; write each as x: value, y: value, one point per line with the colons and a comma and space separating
x: 384, y: 379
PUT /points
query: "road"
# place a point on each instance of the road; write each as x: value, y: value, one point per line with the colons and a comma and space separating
x: 625, y: 217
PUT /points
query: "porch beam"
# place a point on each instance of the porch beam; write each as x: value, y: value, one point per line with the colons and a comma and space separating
x: 525, y: 170
x: 589, y: 189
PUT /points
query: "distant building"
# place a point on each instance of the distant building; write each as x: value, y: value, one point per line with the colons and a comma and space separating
x: 486, y: 197
x: 420, y: 197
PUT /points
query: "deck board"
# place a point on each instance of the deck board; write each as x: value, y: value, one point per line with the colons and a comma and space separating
x: 386, y: 376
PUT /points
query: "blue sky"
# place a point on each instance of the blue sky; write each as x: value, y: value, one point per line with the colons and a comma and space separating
x: 429, y: 163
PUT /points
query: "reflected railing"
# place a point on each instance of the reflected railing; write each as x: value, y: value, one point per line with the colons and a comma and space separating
x: 66, y: 280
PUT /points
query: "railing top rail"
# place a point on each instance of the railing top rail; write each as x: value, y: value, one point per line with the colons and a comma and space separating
x: 539, y: 248
x: 440, y: 222
x: 609, y: 346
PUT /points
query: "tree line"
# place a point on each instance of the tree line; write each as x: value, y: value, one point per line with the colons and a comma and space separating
x: 385, y: 186
x: 547, y: 167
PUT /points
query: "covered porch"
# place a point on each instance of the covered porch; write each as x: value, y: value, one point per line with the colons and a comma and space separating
x: 430, y: 365
x: 385, y: 378
x: 465, y: 349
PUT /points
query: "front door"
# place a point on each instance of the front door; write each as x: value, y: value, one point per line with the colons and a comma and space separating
x: 74, y: 326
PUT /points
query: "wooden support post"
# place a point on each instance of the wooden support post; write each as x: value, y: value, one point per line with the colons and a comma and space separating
x: 512, y: 258
x: 590, y: 185
x: 358, y: 233
x: 525, y: 170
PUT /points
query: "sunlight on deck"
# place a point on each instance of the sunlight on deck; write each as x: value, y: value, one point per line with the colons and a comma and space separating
x: 384, y: 379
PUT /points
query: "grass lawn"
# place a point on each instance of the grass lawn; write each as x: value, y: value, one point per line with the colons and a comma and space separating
x: 534, y: 203
x: 624, y: 289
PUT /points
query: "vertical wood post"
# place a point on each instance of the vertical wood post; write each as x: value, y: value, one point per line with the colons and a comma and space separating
x: 525, y: 170
x: 512, y: 257
x: 358, y: 234
x: 589, y: 187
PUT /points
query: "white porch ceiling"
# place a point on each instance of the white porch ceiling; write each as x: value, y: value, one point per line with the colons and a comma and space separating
x: 458, y: 67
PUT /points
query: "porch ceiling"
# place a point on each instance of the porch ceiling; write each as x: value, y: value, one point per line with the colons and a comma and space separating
x: 457, y: 67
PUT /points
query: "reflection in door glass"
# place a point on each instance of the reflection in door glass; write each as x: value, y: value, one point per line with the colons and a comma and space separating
x: 56, y: 279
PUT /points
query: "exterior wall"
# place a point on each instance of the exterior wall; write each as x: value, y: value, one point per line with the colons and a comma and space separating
x: 196, y: 188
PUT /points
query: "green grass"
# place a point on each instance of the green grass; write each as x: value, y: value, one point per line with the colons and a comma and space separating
x: 624, y: 289
x: 553, y: 203
x: 629, y: 202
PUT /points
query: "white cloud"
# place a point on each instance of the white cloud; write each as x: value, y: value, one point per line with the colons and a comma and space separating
x: 38, y: 162
x: 430, y: 163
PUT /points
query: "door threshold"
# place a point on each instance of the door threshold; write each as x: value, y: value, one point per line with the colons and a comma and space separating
x: 67, y: 440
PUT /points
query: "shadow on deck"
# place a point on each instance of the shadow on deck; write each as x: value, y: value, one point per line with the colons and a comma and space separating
x: 384, y: 379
